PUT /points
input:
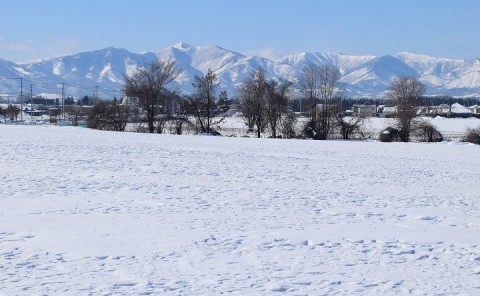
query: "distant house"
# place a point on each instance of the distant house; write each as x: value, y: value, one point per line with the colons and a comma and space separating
x: 442, y: 109
x: 386, y: 112
x: 475, y: 109
x: 364, y: 110
x: 423, y: 110
x: 33, y: 112
x: 233, y: 110
x: 130, y: 101
x: 321, y: 107
x: 43, y: 101
x: 431, y: 111
x: 454, y: 110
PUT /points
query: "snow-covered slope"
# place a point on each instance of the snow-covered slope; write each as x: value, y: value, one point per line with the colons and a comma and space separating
x: 445, y: 76
x: 362, y: 75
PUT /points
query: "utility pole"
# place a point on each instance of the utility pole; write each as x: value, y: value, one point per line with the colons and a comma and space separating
x: 21, y: 98
x: 63, y: 101
x: 31, y: 101
x: 96, y: 94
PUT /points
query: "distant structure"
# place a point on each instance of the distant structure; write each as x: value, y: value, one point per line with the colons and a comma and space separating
x: 364, y: 110
x: 130, y: 101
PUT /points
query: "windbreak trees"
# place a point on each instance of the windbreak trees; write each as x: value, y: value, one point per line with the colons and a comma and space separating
x: 149, y: 83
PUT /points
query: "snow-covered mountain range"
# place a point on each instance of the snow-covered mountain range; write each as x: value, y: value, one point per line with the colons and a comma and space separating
x: 363, y: 76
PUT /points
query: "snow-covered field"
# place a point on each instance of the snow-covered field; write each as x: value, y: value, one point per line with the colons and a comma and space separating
x: 86, y: 212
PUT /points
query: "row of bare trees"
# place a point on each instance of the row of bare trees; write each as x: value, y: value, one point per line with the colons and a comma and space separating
x: 264, y: 104
x: 262, y: 101
x: 10, y: 112
x: 151, y: 84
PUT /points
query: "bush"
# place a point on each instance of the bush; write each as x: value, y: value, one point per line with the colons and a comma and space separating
x: 473, y: 136
x: 389, y: 134
x: 426, y: 132
x: 287, y: 126
x: 109, y: 116
x: 313, y: 130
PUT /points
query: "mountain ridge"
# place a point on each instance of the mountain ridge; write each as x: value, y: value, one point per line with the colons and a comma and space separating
x: 362, y: 75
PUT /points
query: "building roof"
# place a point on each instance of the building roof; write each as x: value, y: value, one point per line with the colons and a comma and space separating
x: 460, y: 109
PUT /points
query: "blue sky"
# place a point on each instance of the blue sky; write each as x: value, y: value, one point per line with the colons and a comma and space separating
x: 50, y: 28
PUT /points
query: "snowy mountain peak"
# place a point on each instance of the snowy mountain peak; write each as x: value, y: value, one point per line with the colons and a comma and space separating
x: 362, y: 75
x: 182, y: 45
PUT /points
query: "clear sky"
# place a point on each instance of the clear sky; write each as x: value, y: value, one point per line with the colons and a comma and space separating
x: 31, y: 29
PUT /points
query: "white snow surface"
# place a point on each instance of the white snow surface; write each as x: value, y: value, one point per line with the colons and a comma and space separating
x: 87, y: 212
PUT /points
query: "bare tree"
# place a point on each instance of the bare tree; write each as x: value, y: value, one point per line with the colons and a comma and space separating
x: 3, y: 112
x: 309, y: 84
x: 204, y: 104
x: 73, y: 113
x: 276, y: 103
x: 329, y: 89
x: 149, y: 83
x: 349, y: 127
x: 406, y: 93
x: 321, y: 84
x: 253, y: 101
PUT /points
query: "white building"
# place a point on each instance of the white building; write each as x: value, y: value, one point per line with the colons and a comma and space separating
x: 364, y: 110
x: 130, y: 101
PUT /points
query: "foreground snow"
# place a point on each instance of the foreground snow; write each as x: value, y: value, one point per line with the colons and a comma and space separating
x: 89, y: 212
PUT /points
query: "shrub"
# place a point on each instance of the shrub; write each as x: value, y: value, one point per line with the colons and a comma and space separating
x: 313, y: 130
x: 473, y: 136
x: 426, y: 132
x: 109, y: 116
x: 389, y: 134
x: 287, y: 125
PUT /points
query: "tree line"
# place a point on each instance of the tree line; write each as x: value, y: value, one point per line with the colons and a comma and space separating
x: 262, y: 101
